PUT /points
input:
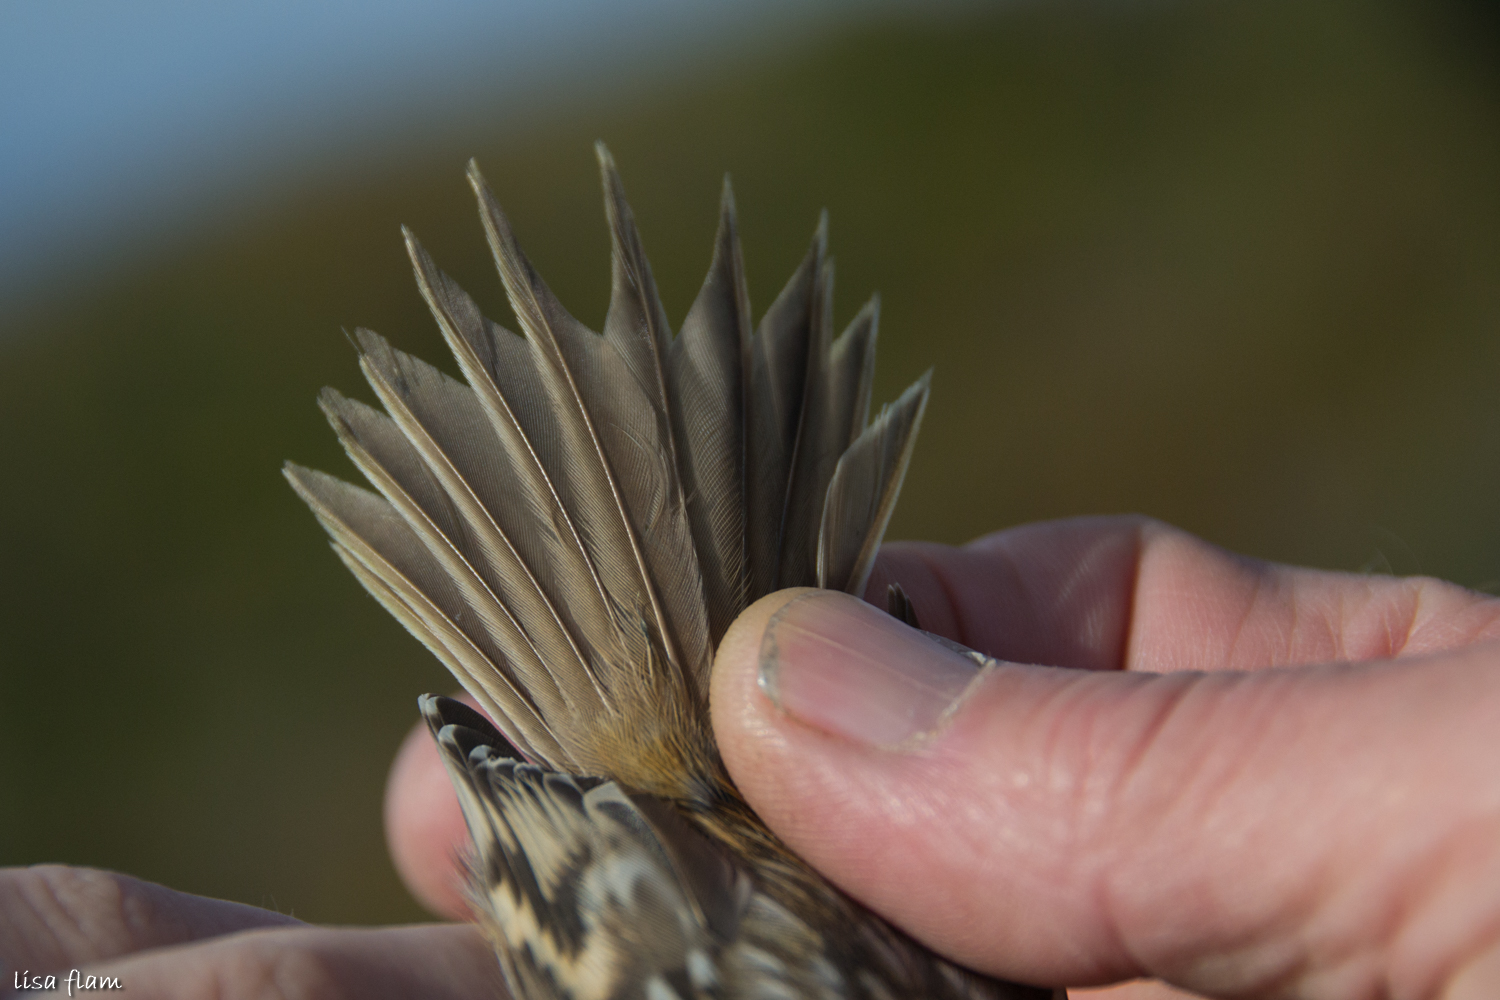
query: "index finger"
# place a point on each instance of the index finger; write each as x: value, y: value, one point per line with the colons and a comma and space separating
x: 1131, y: 593
x: 56, y: 916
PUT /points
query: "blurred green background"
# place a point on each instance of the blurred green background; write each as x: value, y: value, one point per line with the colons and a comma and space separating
x: 1234, y: 265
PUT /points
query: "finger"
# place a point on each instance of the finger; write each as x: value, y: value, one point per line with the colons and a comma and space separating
x: 1138, y: 989
x: 1132, y: 593
x: 1059, y: 593
x: 54, y: 916
x: 425, y: 827
x: 439, y: 961
x: 1226, y: 832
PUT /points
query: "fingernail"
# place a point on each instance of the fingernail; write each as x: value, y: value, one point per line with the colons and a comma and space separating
x: 837, y: 664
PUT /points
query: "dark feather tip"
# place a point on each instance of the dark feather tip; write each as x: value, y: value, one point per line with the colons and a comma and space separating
x: 899, y: 605
x: 460, y: 742
x: 440, y: 713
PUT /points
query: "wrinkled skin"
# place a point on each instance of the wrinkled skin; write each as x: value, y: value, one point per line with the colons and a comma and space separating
x: 1254, y: 781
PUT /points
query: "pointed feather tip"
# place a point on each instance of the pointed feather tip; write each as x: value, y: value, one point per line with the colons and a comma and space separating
x: 296, y: 476
x: 496, y: 222
x: 916, y: 395
x: 300, y: 475
x: 369, y: 342
x: 475, y: 176
x: 420, y: 258
x: 608, y: 171
x: 728, y: 233
x: 302, y: 480
x: 865, y: 323
x: 507, y: 251
x: 605, y: 157
x: 616, y: 207
x: 726, y: 198
x: 331, y: 401
x: 349, y: 338
x: 293, y: 474
x: 423, y: 267
x: 922, y: 386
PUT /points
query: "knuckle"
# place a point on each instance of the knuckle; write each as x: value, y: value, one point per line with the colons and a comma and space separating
x: 273, y: 965
x: 89, y: 913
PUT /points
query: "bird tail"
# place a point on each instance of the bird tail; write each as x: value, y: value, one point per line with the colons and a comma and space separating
x: 573, y: 530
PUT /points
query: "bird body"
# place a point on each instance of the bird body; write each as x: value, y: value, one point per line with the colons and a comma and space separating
x: 572, y: 533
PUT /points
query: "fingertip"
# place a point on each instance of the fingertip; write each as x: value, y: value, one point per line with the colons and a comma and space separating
x: 425, y: 828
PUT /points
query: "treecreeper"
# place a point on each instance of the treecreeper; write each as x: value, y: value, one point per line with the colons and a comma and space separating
x: 571, y: 534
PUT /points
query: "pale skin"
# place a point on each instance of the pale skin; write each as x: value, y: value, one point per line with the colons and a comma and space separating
x: 1254, y: 781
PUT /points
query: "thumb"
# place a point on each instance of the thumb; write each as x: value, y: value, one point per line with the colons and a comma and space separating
x: 1231, y: 833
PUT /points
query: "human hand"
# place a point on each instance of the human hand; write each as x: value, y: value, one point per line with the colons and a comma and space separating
x: 155, y: 942
x: 1174, y: 807
x: 1177, y: 808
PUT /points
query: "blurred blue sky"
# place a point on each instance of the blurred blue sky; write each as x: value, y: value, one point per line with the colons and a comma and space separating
x: 124, y: 123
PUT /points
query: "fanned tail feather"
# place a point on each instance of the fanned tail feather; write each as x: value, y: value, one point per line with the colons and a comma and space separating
x: 401, y: 572
x: 571, y: 533
x: 487, y: 542
x: 646, y: 466
x: 862, y: 494
x: 778, y: 381
x: 573, y: 530
x: 707, y: 370
x: 610, y: 458
x: 500, y: 366
x: 834, y: 414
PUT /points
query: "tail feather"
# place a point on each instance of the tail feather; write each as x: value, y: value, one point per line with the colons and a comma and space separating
x: 778, y: 381
x: 401, y: 572
x: 862, y: 495
x: 636, y: 324
x: 497, y: 516
x: 571, y: 534
x: 707, y: 369
x: 573, y: 531
x: 852, y: 368
x: 636, y: 327
x: 836, y: 410
x: 389, y: 461
x: 500, y: 366
x: 610, y: 459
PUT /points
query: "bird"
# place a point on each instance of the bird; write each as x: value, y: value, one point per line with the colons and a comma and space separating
x: 571, y: 531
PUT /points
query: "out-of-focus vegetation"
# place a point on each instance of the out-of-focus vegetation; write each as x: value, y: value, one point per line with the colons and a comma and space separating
x: 1233, y: 265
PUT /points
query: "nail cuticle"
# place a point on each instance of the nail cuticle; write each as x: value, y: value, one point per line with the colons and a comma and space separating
x: 770, y: 654
x: 924, y: 738
x: 849, y: 670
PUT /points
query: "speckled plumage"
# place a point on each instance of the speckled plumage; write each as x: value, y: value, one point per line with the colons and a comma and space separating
x: 571, y: 533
